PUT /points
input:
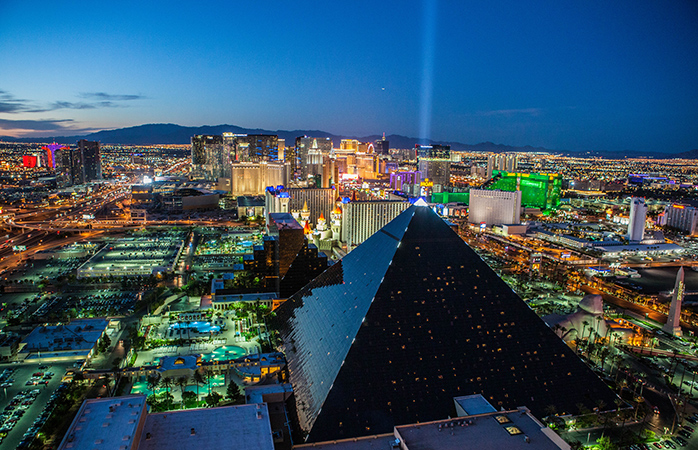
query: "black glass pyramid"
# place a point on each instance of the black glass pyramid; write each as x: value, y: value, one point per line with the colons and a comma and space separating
x: 407, y: 321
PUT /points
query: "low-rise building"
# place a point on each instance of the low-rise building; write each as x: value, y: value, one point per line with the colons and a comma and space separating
x: 76, y: 340
x: 123, y: 423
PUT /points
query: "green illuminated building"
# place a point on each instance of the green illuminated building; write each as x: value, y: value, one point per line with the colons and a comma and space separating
x: 538, y: 190
x: 450, y: 197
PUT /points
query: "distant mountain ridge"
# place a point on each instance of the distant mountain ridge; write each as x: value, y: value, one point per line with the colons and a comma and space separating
x: 168, y: 133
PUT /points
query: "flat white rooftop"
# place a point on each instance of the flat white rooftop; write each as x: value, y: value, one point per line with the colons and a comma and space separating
x: 224, y: 428
x: 106, y: 424
x: 78, y: 335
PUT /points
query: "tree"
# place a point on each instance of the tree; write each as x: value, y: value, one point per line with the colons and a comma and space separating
x: 153, y: 382
x: 104, y: 344
x: 604, y: 443
x: 182, y: 382
x: 189, y: 399
x: 167, y: 383
x: 208, y: 376
x: 152, y: 401
x: 603, y: 354
x: 235, y: 394
x: 213, y: 399
x: 198, y: 379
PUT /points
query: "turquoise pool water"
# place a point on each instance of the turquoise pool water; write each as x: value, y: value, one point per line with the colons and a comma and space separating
x: 224, y: 353
x: 201, y: 327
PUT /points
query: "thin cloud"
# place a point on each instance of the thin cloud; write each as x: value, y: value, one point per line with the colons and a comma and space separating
x: 37, y: 125
x: 110, y: 97
x: 82, y: 105
x: 10, y: 104
x: 512, y: 112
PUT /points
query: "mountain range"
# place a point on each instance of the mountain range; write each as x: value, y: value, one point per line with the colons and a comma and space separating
x: 168, y: 133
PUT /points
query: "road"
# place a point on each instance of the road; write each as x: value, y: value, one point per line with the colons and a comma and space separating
x: 53, y: 242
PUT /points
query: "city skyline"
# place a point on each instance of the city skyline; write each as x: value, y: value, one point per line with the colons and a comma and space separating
x: 574, y: 77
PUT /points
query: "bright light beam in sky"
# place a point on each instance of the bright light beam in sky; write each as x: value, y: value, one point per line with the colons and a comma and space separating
x: 428, y: 44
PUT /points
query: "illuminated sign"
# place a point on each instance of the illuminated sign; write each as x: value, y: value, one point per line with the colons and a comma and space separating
x: 678, y: 206
x: 88, y: 216
x: 19, y: 248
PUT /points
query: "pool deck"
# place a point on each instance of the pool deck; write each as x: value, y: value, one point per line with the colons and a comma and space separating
x: 148, y: 357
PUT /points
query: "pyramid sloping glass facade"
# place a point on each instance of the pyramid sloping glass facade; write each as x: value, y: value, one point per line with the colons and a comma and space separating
x: 407, y: 321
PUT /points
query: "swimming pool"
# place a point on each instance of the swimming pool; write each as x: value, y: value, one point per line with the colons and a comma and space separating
x: 201, y: 327
x: 224, y: 353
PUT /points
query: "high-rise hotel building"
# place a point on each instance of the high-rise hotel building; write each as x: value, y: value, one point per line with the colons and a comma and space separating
x: 435, y: 163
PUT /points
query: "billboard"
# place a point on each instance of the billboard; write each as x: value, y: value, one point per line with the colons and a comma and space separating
x: 29, y: 161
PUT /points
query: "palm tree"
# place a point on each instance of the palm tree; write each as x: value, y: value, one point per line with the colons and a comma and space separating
x: 153, y: 382
x: 565, y: 332
x: 600, y: 405
x: 603, y: 354
x: 208, y: 375
x: 182, y: 382
x: 584, y: 330
x: 598, y: 322
x: 550, y: 410
x: 167, y: 383
x: 198, y: 379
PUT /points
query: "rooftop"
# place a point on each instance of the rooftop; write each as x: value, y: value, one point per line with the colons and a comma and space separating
x: 78, y: 335
x: 516, y: 429
x: 106, y: 423
x: 227, y: 427
x: 474, y: 404
x: 511, y: 430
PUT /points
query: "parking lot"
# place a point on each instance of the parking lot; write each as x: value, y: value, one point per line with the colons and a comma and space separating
x: 33, y: 271
x: 100, y: 303
x: 24, y: 407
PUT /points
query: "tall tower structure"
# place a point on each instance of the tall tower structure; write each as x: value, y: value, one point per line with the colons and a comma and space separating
x: 673, y: 323
x: 435, y: 163
x: 382, y: 146
x: 336, y: 227
x: 491, y: 165
x: 638, y: 212
x: 91, y: 159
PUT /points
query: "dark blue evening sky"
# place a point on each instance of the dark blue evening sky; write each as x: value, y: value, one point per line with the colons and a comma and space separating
x: 564, y: 75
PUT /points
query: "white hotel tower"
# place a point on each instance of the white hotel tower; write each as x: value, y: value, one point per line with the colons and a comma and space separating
x: 638, y: 212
